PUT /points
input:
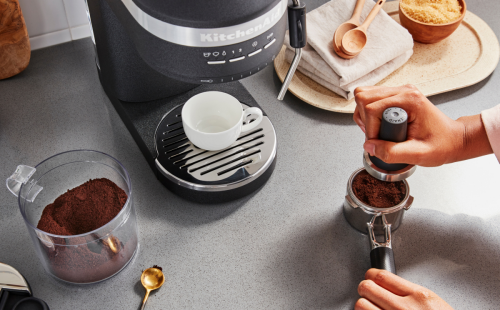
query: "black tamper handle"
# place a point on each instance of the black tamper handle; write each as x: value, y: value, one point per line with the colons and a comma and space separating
x: 393, y: 128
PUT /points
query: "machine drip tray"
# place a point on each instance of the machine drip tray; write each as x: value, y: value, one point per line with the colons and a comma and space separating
x: 209, y: 176
x: 192, y: 173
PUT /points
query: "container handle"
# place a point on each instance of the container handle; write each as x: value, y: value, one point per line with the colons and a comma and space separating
x: 21, y: 176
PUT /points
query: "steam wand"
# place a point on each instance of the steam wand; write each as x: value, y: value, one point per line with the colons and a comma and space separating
x: 298, y: 39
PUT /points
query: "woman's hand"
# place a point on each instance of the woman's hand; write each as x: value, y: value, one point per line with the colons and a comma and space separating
x: 384, y: 290
x: 433, y: 138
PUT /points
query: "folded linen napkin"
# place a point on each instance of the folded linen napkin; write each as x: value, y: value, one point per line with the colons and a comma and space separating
x: 325, y: 76
x: 389, y: 45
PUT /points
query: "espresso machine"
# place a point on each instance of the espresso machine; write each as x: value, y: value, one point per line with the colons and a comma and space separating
x: 152, y: 56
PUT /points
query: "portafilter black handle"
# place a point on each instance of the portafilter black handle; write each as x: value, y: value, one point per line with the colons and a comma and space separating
x: 383, y: 258
x: 393, y: 128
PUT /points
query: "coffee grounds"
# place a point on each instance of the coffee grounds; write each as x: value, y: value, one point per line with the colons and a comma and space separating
x: 158, y: 267
x: 83, y: 209
x: 80, y: 210
x: 91, y: 262
x: 376, y: 193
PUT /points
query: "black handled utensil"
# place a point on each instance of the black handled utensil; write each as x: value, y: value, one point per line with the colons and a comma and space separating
x: 394, y: 128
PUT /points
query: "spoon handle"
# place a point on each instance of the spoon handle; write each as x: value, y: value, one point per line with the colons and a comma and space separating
x: 372, y: 15
x: 145, y: 299
x: 357, y: 10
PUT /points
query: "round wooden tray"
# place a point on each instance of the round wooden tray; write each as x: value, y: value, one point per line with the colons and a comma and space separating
x: 465, y: 58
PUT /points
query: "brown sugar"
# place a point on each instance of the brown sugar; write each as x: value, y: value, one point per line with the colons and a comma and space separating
x: 432, y: 11
x: 376, y: 193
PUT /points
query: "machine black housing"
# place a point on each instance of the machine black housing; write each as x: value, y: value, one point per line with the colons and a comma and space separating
x: 136, y: 65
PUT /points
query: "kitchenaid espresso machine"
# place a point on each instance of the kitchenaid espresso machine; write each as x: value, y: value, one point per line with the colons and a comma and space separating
x: 152, y: 56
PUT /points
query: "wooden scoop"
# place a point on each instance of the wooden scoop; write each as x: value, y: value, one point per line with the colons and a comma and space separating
x: 354, y: 40
x: 345, y: 27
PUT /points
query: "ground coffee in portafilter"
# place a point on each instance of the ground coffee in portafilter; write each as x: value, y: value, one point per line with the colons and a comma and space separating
x: 376, y: 193
x: 80, y: 210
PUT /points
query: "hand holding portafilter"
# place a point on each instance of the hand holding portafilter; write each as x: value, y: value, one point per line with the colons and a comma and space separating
x: 393, y: 127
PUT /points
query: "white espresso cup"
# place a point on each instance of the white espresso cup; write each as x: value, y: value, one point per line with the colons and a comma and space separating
x: 214, y: 120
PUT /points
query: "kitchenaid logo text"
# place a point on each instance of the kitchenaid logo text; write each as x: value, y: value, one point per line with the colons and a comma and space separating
x: 269, y: 21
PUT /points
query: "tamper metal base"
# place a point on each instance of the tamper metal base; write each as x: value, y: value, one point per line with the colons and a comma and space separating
x: 384, y: 175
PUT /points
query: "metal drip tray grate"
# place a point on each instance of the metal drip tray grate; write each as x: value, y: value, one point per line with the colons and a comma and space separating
x: 182, y: 162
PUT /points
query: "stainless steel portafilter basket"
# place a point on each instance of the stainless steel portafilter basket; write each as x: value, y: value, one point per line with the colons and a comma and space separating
x: 358, y: 214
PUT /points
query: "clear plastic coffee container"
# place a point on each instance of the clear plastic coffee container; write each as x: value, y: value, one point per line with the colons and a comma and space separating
x: 86, y: 258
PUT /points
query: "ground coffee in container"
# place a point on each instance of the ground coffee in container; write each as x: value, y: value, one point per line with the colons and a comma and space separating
x: 78, y: 209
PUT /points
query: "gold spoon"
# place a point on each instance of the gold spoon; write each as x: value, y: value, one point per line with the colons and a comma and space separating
x: 354, y: 40
x: 151, y: 279
x: 346, y: 26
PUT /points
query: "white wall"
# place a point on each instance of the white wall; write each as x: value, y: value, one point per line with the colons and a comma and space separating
x: 52, y: 22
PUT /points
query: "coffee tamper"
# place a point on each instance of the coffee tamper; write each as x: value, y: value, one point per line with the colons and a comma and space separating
x: 381, y: 221
x: 392, y: 128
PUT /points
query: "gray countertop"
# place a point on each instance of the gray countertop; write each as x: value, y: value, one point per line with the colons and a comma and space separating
x: 286, y: 246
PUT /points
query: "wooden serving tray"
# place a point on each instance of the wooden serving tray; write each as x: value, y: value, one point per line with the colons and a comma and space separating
x: 465, y: 58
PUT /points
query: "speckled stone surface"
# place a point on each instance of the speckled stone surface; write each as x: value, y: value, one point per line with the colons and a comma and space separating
x: 284, y: 247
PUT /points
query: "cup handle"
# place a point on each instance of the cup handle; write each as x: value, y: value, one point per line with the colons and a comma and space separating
x: 252, y: 125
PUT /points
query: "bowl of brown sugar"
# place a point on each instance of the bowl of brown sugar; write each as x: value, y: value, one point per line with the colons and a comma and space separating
x: 431, y: 21
x: 79, y: 212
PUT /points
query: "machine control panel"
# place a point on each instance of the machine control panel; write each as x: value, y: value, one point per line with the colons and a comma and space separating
x: 216, y: 62
x: 237, y: 59
x: 230, y: 54
x: 269, y: 44
x: 255, y: 53
x: 223, y: 64
x: 238, y: 76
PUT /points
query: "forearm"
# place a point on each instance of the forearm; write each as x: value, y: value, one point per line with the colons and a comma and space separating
x: 475, y: 141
